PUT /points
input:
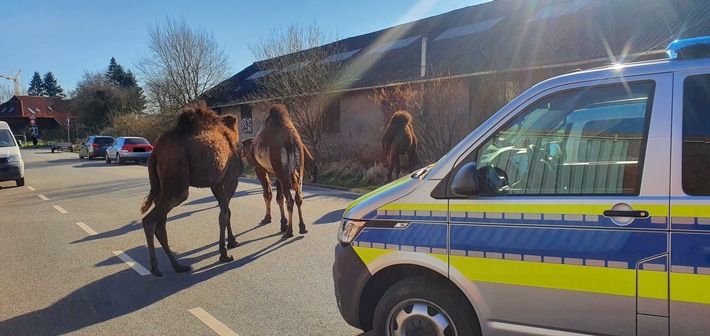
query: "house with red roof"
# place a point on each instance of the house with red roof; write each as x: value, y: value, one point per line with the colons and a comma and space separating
x: 48, y: 113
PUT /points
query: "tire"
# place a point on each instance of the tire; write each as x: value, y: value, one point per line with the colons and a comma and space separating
x: 119, y: 160
x: 108, y: 159
x: 81, y: 157
x: 20, y: 182
x: 439, y: 310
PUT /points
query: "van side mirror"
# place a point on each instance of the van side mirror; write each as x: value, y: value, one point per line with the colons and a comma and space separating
x: 465, y: 183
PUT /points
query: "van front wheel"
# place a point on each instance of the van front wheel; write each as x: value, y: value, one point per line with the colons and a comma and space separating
x: 424, y: 306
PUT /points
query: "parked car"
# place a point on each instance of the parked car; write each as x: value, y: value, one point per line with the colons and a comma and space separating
x: 124, y: 149
x: 582, y: 207
x: 11, y: 165
x: 95, y: 146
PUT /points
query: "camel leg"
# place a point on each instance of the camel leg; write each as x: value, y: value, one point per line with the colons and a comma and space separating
x: 149, y: 224
x: 154, y: 225
x: 162, y: 234
x: 266, y: 188
x: 299, y: 201
x: 286, y: 190
x: 221, y: 193
x: 280, y: 201
x: 393, y: 161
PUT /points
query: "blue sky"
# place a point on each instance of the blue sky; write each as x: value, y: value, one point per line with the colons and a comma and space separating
x: 71, y: 37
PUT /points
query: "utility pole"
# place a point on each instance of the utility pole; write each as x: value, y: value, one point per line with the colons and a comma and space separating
x: 16, y: 80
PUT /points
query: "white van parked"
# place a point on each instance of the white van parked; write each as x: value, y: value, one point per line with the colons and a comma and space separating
x: 11, y: 165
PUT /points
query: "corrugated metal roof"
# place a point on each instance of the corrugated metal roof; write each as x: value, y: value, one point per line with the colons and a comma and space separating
x: 572, y: 32
x: 560, y: 10
x: 468, y: 29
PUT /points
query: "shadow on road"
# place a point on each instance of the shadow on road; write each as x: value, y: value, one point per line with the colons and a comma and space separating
x: 332, y: 217
x: 132, y: 226
x: 123, y: 293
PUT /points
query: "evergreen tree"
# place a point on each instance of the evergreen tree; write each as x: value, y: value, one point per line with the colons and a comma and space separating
x: 115, y: 73
x: 36, y: 86
x: 51, y: 87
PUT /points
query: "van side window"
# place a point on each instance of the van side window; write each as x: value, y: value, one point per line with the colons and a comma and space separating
x: 587, y: 141
x: 696, y: 135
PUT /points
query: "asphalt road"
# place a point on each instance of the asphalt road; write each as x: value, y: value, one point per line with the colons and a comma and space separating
x: 61, y: 236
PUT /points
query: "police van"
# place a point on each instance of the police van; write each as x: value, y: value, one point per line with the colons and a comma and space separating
x: 581, y: 207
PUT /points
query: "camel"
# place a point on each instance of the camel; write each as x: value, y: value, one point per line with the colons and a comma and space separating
x: 309, y: 165
x: 202, y: 151
x: 399, y: 139
x: 278, y: 151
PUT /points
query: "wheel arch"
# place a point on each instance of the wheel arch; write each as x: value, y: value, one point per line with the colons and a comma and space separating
x: 387, y: 276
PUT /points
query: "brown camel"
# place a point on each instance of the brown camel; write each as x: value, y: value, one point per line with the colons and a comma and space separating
x: 310, y: 168
x: 202, y: 151
x: 278, y: 151
x: 399, y: 139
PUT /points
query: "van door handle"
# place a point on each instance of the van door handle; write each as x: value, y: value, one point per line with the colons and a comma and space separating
x: 626, y: 213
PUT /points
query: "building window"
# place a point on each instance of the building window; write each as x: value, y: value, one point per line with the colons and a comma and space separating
x: 246, y: 124
x: 331, y: 117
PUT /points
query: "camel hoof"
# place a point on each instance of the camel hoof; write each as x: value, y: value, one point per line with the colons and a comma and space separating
x: 182, y: 269
x: 287, y: 235
x: 156, y: 272
x: 303, y: 231
x: 265, y: 221
x: 226, y: 258
x: 283, y: 228
x: 233, y: 244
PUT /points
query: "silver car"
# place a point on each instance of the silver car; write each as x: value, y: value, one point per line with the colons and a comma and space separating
x: 124, y: 149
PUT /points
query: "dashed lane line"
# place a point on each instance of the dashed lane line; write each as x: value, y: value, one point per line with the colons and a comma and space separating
x: 86, y: 228
x: 128, y: 260
x: 30, y: 188
x: 212, y: 322
x: 44, y: 198
x: 60, y: 209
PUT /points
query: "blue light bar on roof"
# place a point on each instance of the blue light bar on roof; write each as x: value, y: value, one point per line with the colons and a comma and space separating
x: 692, y: 48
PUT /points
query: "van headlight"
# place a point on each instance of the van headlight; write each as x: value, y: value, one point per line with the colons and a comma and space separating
x: 349, y: 230
x: 14, y: 158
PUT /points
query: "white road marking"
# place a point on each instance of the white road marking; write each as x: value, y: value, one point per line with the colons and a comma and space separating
x: 135, y: 265
x: 212, y: 322
x: 44, y: 198
x: 60, y: 209
x: 30, y: 188
x: 86, y: 228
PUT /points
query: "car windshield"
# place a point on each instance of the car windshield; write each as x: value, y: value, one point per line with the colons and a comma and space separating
x: 103, y: 141
x: 136, y: 141
x: 6, y: 139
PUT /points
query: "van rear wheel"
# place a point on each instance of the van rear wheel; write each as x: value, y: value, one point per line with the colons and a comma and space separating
x: 424, y: 306
x: 20, y: 182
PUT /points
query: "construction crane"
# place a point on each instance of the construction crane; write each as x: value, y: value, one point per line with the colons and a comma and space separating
x: 16, y: 80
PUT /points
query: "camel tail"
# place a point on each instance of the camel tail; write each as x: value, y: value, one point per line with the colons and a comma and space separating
x: 154, y: 184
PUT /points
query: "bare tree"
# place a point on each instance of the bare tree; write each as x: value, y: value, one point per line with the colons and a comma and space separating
x: 298, y: 67
x: 182, y: 63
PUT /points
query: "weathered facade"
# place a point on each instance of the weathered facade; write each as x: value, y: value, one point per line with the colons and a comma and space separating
x: 490, y: 52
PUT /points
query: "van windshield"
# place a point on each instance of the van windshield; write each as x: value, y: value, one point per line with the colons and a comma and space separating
x: 6, y: 139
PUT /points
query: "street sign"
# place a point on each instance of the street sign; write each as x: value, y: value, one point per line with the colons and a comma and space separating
x: 32, y: 121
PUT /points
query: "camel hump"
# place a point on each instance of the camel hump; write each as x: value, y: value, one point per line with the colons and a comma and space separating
x: 230, y: 121
x: 196, y: 116
x: 400, y: 119
x: 278, y: 116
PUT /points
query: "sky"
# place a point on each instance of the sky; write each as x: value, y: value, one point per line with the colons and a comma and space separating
x: 74, y: 37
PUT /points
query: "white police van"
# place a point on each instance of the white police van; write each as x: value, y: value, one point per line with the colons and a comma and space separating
x: 581, y: 207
